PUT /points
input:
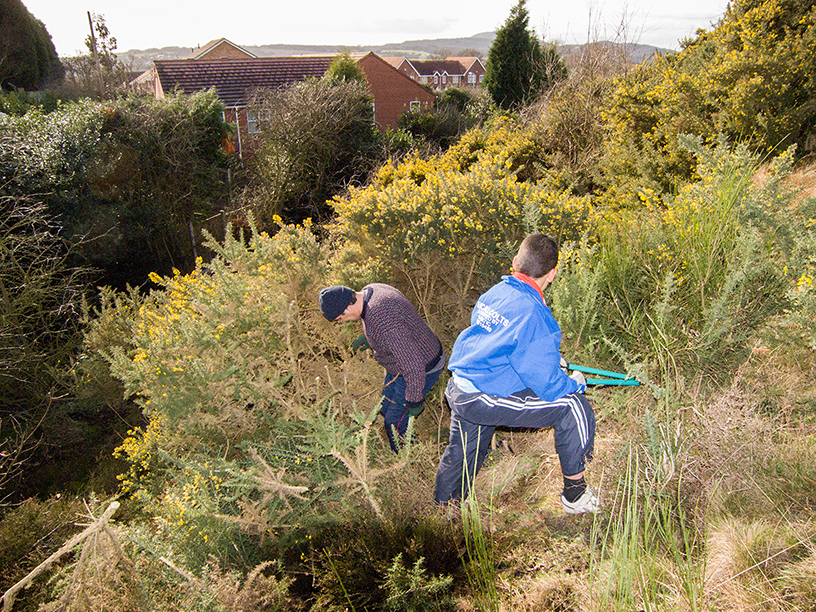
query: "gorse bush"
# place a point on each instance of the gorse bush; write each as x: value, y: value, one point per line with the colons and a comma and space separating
x: 802, y: 263
x: 803, y: 294
x: 502, y: 143
x: 693, y: 275
x: 445, y: 229
x: 410, y: 589
x: 259, y: 434
x: 751, y: 78
x: 216, y: 341
x: 642, y: 116
x: 763, y: 75
x: 441, y: 126
x: 208, y: 355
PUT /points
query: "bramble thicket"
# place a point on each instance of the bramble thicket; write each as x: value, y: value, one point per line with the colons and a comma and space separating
x: 681, y: 192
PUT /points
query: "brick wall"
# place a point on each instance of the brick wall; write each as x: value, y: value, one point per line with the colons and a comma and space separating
x: 392, y: 91
x: 224, y: 51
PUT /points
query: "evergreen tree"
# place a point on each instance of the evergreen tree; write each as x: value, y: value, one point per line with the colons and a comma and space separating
x: 345, y: 68
x: 28, y: 59
x: 518, y: 66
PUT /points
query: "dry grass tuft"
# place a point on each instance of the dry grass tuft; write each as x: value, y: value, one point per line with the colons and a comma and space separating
x: 554, y: 592
x: 730, y: 436
x: 798, y: 580
x: 804, y: 179
x: 751, y: 563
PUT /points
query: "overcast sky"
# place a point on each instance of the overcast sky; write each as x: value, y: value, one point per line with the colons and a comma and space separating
x: 143, y: 24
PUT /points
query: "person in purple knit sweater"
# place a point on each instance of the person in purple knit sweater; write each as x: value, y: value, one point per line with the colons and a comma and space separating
x: 401, y: 341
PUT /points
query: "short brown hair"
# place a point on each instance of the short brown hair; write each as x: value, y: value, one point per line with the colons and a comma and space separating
x: 537, y: 255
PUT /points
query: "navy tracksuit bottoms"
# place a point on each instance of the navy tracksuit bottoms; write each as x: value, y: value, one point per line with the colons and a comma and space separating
x: 474, y: 417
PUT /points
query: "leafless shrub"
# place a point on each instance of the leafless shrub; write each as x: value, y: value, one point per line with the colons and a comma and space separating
x: 39, y: 299
x: 730, y: 436
x: 568, y: 118
x: 315, y: 138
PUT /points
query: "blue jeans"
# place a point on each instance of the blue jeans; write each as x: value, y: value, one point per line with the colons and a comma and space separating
x: 393, y: 406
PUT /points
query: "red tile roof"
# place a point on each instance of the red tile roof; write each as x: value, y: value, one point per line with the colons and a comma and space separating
x: 394, y: 61
x: 467, y: 61
x: 235, y: 79
x: 429, y: 67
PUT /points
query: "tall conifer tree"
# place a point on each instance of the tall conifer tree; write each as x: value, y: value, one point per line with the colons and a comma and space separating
x: 28, y: 59
x: 517, y: 65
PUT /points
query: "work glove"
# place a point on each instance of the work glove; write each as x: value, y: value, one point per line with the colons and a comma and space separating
x: 580, y: 379
x: 563, y: 365
x: 360, y: 344
x: 415, y: 408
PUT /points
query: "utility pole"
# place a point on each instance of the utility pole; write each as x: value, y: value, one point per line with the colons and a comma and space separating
x: 96, y: 57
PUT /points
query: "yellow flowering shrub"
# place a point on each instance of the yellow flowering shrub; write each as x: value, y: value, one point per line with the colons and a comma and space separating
x: 801, y: 274
x: 254, y: 405
x: 693, y: 270
x: 140, y: 450
x: 504, y: 146
x: 448, y: 236
x: 647, y: 109
x: 752, y: 78
x: 764, y: 76
x: 210, y: 344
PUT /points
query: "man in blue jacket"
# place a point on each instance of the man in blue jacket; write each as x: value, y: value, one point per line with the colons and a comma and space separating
x: 507, y: 372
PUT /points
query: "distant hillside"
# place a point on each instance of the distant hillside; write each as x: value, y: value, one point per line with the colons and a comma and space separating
x: 478, y: 45
x: 633, y: 52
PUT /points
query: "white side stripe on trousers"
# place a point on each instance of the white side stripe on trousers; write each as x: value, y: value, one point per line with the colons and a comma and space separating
x: 519, y: 404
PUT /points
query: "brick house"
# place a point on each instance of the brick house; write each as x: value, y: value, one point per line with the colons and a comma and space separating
x: 221, y: 48
x: 458, y: 72
x: 235, y: 79
x: 393, y: 93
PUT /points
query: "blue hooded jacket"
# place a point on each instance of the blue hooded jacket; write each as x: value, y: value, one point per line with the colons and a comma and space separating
x: 513, y: 343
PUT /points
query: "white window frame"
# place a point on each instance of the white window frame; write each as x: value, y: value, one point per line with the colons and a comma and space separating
x: 414, y: 105
x: 254, y: 122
